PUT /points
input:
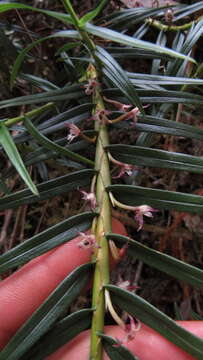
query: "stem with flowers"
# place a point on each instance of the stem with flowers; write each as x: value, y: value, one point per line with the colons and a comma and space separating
x: 103, y: 222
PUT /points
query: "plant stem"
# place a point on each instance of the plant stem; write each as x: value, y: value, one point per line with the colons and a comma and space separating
x: 29, y: 114
x: 68, y: 6
x: 103, y: 225
x: 158, y: 25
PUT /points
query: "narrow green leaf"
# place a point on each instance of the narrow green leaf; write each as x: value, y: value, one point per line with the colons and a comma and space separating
x: 154, y: 96
x: 6, y: 6
x: 44, y: 317
x: 129, y: 52
x: 168, y: 264
x: 63, y: 331
x: 164, y: 126
x: 127, y: 17
x: 149, y: 315
x: 143, y: 156
x: 186, y: 10
x: 112, y: 35
x: 69, y: 92
x: 92, y: 14
x: 45, y: 241
x: 48, y: 189
x: 39, y: 82
x: 114, y: 351
x: 118, y: 77
x: 42, y: 154
x: 137, y: 78
x: 15, y: 158
x: 48, y: 144
x: 159, y: 199
x: 57, y: 122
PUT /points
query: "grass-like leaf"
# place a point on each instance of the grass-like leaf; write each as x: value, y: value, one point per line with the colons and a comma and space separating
x: 143, y: 156
x: 74, y: 115
x: 44, y: 317
x: 6, y: 6
x: 48, y: 189
x: 159, y: 199
x: 70, y: 92
x: 152, y: 96
x: 45, y: 241
x: 11, y: 150
x: 187, y: 10
x: 125, y: 18
x: 148, y: 314
x: 129, y: 52
x: 130, y: 41
x: 118, y: 77
x: 114, y: 351
x: 63, y: 331
x: 163, y: 126
x: 92, y: 14
x: 42, y: 154
x: 160, y: 261
x: 48, y: 144
x: 137, y: 78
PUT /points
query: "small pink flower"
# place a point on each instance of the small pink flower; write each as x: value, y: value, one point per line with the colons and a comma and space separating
x: 125, y: 169
x: 101, y: 116
x: 130, y: 330
x: 126, y: 285
x: 88, y: 241
x: 143, y: 210
x: 89, y: 197
x: 90, y: 86
x: 74, y: 132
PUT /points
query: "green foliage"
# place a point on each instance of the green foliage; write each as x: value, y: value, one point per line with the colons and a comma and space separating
x: 95, y: 77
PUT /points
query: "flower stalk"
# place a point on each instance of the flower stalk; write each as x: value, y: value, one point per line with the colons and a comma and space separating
x: 102, y: 226
x: 29, y: 114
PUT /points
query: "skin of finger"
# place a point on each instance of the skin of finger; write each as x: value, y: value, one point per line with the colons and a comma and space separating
x: 146, y: 345
x: 23, y: 292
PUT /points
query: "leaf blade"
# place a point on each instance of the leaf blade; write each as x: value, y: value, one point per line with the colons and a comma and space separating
x: 154, y: 318
x: 15, y: 158
x: 160, y: 261
x: 47, y: 313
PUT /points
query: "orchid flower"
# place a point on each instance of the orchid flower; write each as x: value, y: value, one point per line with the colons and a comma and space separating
x: 89, y: 197
x: 88, y: 241
x: 74, y: 132
x: 143, y: 210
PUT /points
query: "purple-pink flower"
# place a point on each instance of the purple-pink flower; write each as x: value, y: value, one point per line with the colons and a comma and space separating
x: 87, y: 241
x: 143, y: 210
x: 126, y: 285
x: 90, y: 86
x: 130, y: 331
x: 89, y: 197
x: 125, y: 169
x: 74, y: 131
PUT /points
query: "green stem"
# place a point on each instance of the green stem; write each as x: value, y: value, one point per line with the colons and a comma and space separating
x: 68, y: 6
x: 103, y: 225
x: 158, y: 25
x: 29, y: 114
